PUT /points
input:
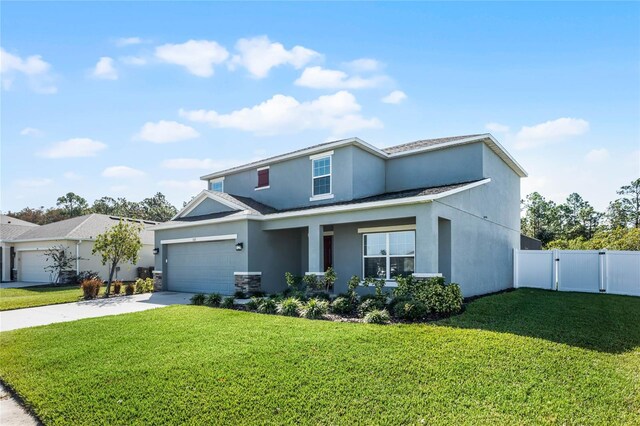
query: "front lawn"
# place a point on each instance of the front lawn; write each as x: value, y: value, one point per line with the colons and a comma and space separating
x: 523, y: 357
x: 14, y: 298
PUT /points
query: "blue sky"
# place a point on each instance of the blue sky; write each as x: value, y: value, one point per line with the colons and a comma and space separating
x: 127, y: 99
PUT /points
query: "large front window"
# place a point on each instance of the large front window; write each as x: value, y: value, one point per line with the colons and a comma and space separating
x: 389, y: 254
x: 322, y: 176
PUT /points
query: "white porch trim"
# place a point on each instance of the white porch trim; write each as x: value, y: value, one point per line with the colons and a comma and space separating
x: 247, y: 273
x: 411, y: 227
x: 200, y: 239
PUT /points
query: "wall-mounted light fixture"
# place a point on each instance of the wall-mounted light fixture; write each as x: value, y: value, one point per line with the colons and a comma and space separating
x: 239, y: 246
x: 156, y: 250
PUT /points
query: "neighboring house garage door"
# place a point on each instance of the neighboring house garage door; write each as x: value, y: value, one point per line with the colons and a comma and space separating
x: 31, y: 268
x: 202, y: 267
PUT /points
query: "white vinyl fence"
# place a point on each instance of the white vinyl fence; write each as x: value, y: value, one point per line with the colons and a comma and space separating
x: 593, y: 271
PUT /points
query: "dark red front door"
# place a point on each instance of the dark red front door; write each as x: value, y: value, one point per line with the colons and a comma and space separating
x: 328, y: 251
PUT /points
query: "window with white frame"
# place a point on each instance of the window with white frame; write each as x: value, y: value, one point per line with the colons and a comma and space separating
x: 217, y: 185
x: 321, y: 175
x: 389, y: 254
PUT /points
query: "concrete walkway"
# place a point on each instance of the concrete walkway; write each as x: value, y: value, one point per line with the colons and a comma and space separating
x: 12, y: 413
x: 42, y: 315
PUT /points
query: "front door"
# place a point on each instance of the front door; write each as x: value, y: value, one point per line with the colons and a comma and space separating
x: 328, y: 251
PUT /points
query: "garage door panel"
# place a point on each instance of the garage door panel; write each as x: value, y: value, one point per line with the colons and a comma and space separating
x: 31, y: 268
x: 202, y: 267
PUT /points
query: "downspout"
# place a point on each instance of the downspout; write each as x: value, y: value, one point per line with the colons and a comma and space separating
x: 78, y: 256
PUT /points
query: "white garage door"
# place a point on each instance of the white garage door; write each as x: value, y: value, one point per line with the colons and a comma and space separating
x: 202, y: 267
x: 31, y: 267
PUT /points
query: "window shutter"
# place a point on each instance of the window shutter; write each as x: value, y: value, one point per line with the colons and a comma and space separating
x: 263, y: 178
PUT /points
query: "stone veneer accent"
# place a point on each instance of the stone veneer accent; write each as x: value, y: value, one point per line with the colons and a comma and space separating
x: 248, y: 282
x: 157, y: 281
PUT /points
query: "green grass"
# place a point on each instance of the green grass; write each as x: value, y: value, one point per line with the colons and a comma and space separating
x: 524, y: 357
x: 15, y: 298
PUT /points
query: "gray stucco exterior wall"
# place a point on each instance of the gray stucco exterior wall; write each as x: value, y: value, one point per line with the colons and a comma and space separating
x: 208, y: 206
x: 433, y: 168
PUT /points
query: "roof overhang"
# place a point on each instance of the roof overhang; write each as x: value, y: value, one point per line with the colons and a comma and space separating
x: 326, y: 209
x: 487, y: 138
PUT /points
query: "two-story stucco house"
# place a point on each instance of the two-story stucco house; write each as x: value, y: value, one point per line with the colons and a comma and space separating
x: 447, y: 206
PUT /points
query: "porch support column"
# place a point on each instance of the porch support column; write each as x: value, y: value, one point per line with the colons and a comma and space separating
x: 315, y: 248
x: 426, y: 241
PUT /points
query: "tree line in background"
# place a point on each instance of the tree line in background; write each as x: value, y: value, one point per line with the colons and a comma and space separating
x: 576, y: 225
x: 155, y: 208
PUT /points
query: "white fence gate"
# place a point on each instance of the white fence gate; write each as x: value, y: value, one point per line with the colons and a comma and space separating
x: 616, y: 272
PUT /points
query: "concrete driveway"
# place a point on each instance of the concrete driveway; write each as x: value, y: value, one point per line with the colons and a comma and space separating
x: 42, y: 315
x: 20, y: 284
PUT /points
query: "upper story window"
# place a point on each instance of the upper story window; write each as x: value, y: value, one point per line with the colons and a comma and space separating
x: 387, y: 255
x: 263, y: 178
x: 321, y: 176
x: 217, y: 185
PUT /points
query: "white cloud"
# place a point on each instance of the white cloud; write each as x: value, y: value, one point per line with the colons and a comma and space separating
x: 597, y: 155
x: 105, y: 70
x: 183, y: 185
x: 128, y: 41
x: 363, y: 65
x: 321, y: 78
x: 122, y: 172
x: 496, y: 127
x: 133, y: 60
x: 550, y: 132
x: 166, y: 131
x: 197, y: 56
x: 394, y: 97
x: 74, y: 148
x: 31, y: 131
x: 33, y: 183
x: 258, y: 55
x: 198, y: 163
x: 71, y: 176
x: 34, y: 68
x: 281, y: 114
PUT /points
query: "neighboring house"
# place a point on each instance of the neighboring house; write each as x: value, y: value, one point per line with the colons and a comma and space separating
x: 77, y: 235
x: 447, y: 206
x: 10, y: 228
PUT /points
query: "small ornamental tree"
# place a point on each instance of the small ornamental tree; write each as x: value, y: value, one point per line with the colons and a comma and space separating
x: 59, y: 259
x: 119, y: 244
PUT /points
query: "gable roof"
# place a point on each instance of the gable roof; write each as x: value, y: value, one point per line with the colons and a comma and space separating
x: 235, y: 202
x: 11, y: 228
x: 8, y: 220
x: 387, y: 153
x: 85, y: 227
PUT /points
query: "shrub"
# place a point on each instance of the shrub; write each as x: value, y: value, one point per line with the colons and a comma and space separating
x: 129, y: 289
x: 228, y: 302
x: 268, y: 306
x: 144, y: 285
x: 329, y: 278
x: 294, y: 282
x: 321, y: 295
x: 377, y: 283
x: 213, y: 299
x: 315, y: 309
x: 198, y: 299
x: 240, y: 294
x: 410, y: 310
x: 342, y: 306
x: 117, y: 287
x: 289, y: 307
x: 86, y: 275
x: 312, y: 282
x: 258, y: 293
x: 253, y: 304
x: 438, y: 297
x: 377, y: 316
x: 369, y: 304
x: 91, y: 288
